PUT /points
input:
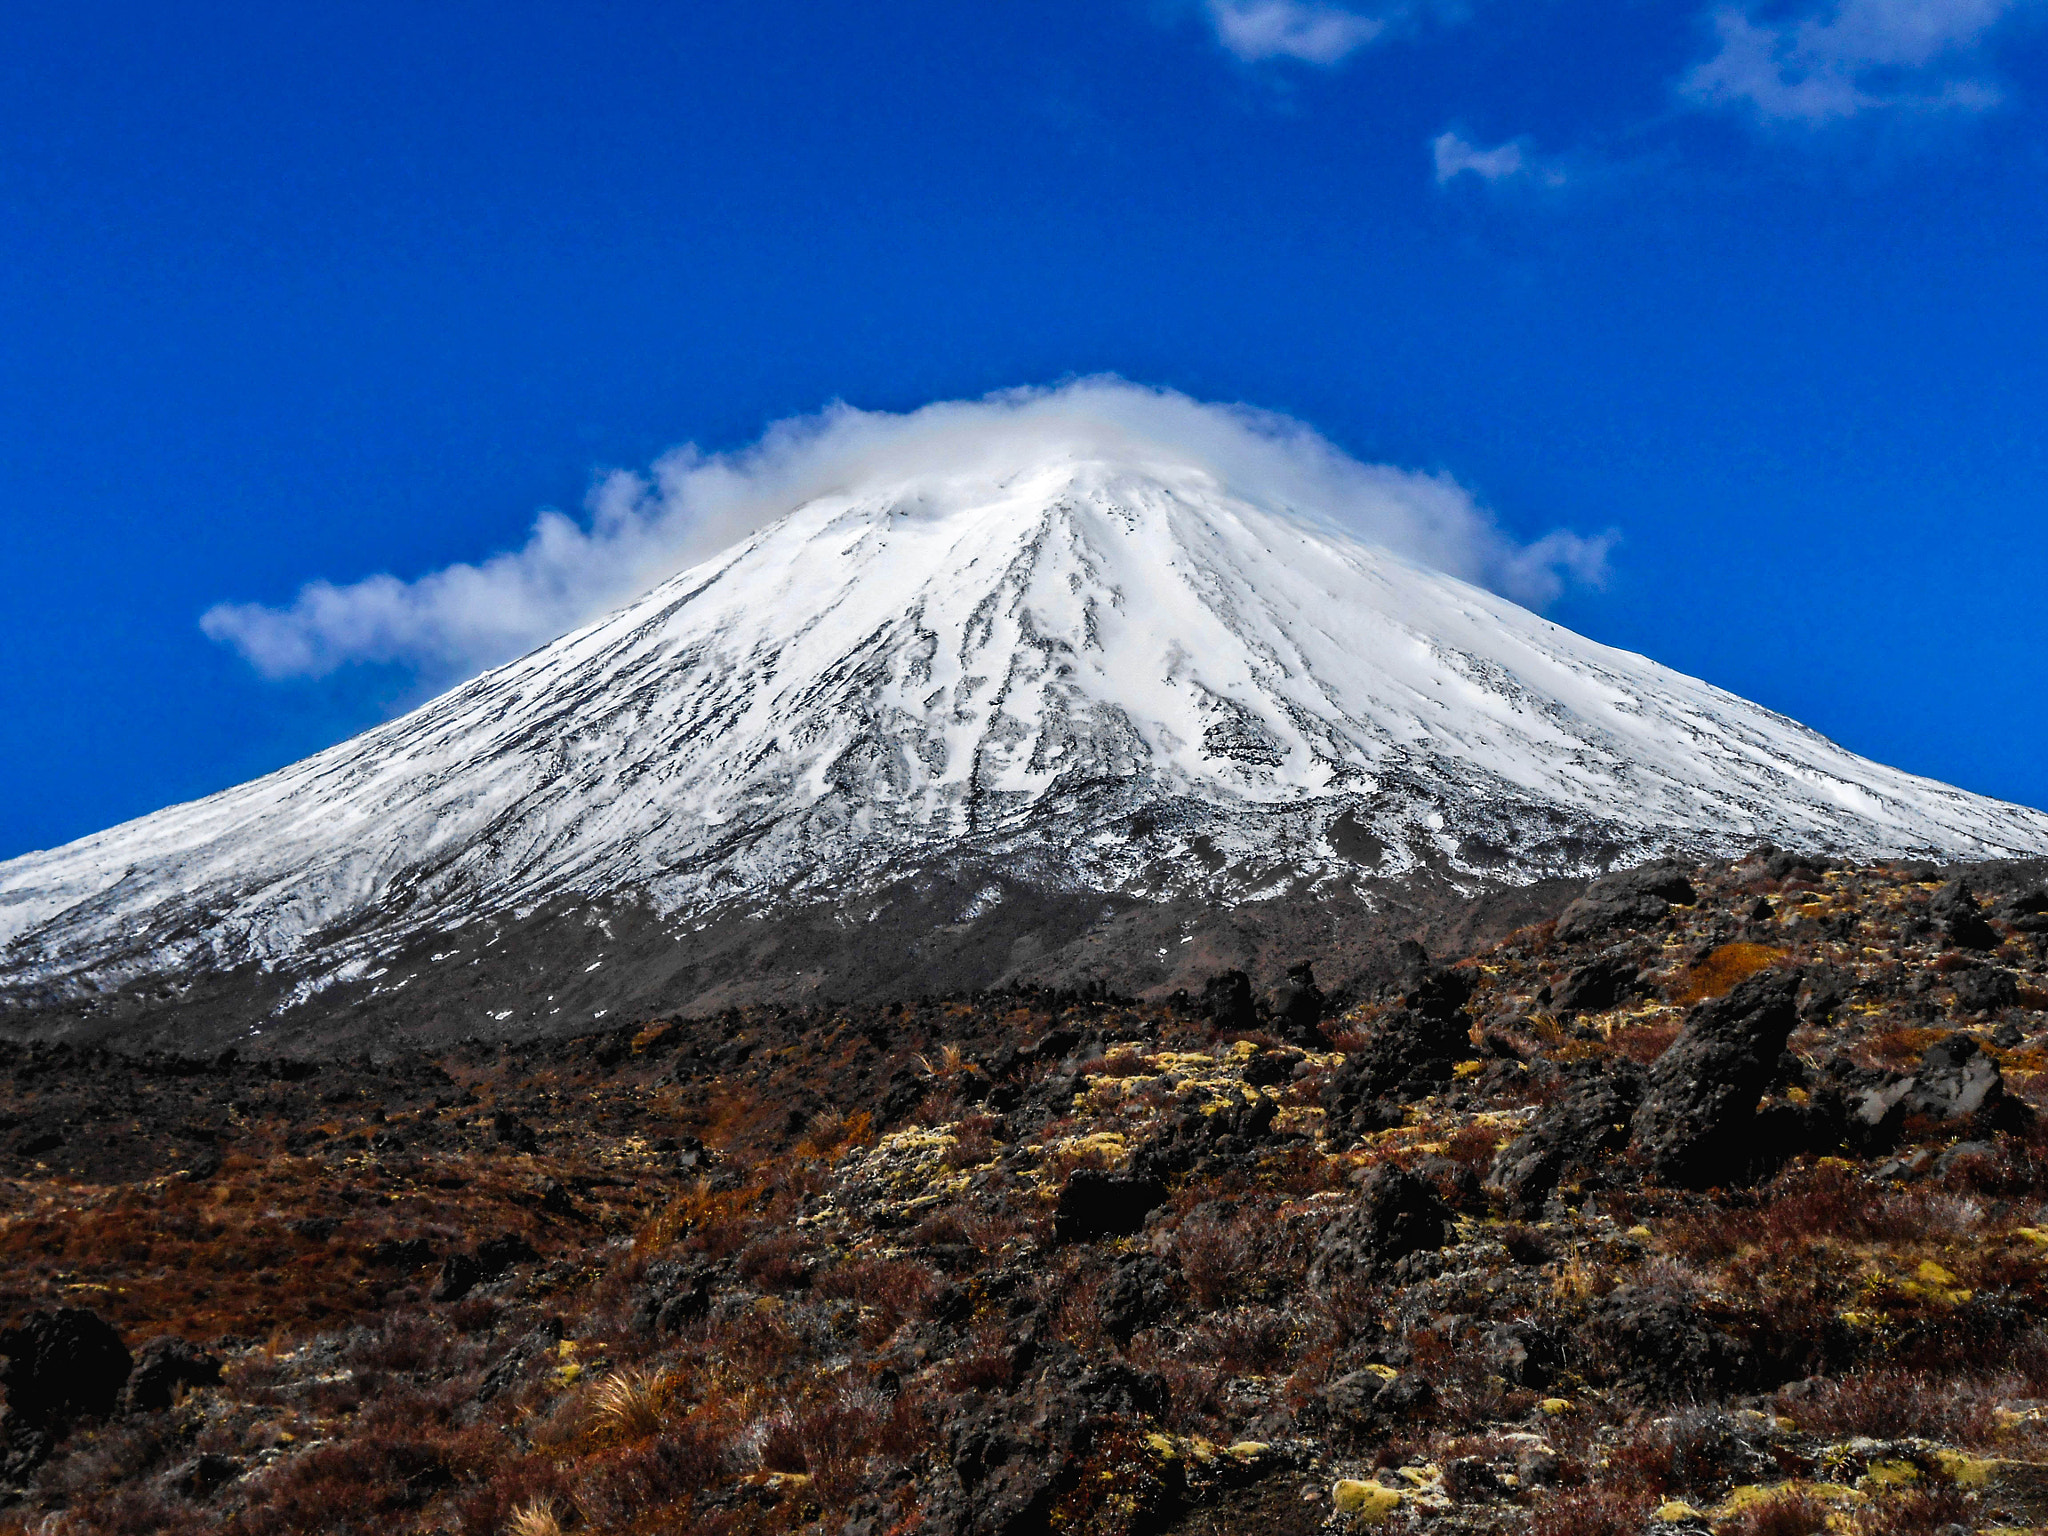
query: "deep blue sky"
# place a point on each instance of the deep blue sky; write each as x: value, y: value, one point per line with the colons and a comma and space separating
x: 297, y: 292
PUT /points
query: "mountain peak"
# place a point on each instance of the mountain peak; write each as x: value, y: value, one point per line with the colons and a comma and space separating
x: 1092, y: 670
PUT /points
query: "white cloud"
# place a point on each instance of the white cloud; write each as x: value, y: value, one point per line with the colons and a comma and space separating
x: 1304, y: 30
x: 641, y: 529
x: 1832, y: 63
x: 1457, y: 156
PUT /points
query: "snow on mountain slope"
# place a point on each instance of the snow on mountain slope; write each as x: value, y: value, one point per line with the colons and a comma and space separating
x: 1095, y: 674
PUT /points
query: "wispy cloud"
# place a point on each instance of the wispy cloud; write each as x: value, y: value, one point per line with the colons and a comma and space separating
x: 1306, y: 31
x: 1835, y: 62
x: 640, y: 529
x: 1515, y: 160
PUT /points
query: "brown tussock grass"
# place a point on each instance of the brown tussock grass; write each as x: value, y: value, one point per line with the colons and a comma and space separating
x: 1723, y: 970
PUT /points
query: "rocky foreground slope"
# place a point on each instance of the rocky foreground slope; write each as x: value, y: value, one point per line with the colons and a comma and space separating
x: 1718, y: 1203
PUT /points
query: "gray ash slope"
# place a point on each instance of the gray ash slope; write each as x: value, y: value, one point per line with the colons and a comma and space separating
x: 988, y: 720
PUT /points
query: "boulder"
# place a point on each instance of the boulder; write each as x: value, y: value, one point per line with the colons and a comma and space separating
x: 1986, y: 990
x: 1407, y: 1055
x: 1095, y: 1204
x: 1626, y: 901
x: 1956, y: 1080
x: 671, y: 1293
x: 1297, y: 1006
x: 1227, y: 1002
x: 63, y: 1364
x: 461, y: 1273
x: 1396, y: 1214
x: 1137, y: 1293
x: 1956, y: 1083
x: 203, y: 1476
x: 510, y: 1131
x: 1569, y: 1136
x: 1660, y: 1346
x: 2027, y: 911
x: 1699, y: 1103
x: 1524, y: 1354
x: 165, y: 1366
x: 1955, y: 910
x: 1598, y: 985
x: 1191, y: 1139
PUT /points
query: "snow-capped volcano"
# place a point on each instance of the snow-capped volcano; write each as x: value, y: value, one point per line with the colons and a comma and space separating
x: 1091, y: 673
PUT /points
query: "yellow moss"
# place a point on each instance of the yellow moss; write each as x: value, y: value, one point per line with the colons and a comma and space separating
x: 1367, y: 1503
x: 1888, y: 1474
x: 1934, y: 1274
x: 1109, y: 1144
x: 1247, y: 1450
x: 1555, y: 1406
x: 1676, y: 1511
x: 1967, y: 1471
x: 1159, y: 1445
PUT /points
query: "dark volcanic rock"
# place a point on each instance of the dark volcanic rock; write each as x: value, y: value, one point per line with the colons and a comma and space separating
x: 1661, y: 1346
x: 1955, y: 908
x: 1195, y: 1136
x: 2028, y: 911
x: 1297, y: 1005
x: 671, y: 1293
x: 1396, y: 1214
x: 461, y: 1273
x: 1955, y: 1083
x: 1597, y: 985
x: 1986, y: 990
x: 1699, y: 1104
x: 1958, y: 1081
x: 512, y: 1132
x: 165, y: 1365
x: 61, y: 1365
x: 1095, y: 1204
x: 203, y: 1476
x: 1570, y: 1135
x: 1139, y: 1291
x: 1406, y: 1055
x: 1227, y: 1002
x: 1631, y: 899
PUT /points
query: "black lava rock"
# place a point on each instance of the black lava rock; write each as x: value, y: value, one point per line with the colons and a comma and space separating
x: 61, y: 1365
x: 1660, y: 1346
x: 1297, y: 1006
x: 1396, y: 1214
x: 2027, y: 911
x: 512, y: 1132
x: 1406, y: 1055
x: 1194, y: 1137
x: 1138, y: 1292
x: 1986, y: 990
x: 203, y: 1476
x: 1955, y: 909
x: 1699, y: 1105
x: 1598, y: 984
x: 1590, y: 1120
x: 404, y: 1253
x: 1227, y: 1002
x: 1095, y: 1204
x: 462, y: 1273
x: 163, y: 1367
x: 1628, y: 900
x: 670, y: 1294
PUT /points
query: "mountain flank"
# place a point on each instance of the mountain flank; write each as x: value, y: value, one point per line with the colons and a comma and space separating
x: 1065, y: 686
